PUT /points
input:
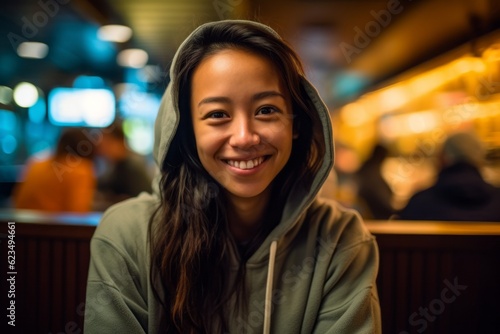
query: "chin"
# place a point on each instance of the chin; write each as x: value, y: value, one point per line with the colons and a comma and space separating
x: 245, y: 192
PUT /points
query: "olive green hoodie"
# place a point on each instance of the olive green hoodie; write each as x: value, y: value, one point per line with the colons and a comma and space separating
x: 314, y: 273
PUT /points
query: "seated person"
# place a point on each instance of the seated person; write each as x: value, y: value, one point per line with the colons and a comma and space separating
x: 243, y: 144
x: 65, y: 182
x: 374, y: 194
x: 125, y: 174
x: 460, y: 193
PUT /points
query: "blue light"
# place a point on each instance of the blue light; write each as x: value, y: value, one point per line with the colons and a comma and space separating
x: 35, y: 131
x: 134, y: 76
x: 37, y: 112
x: 8, y: 120
x: 81, y: 107
x: 349, y: 84
x: 87, y: 81
x: 98, y: 51
x: 76, y: 44
x: 40, y: 137
x: 9, y: 144
x: 40, y: 146
x: 135, y: 103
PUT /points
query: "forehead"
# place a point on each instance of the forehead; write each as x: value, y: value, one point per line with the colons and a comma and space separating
x: 232, y: 68
x: 231, y: 56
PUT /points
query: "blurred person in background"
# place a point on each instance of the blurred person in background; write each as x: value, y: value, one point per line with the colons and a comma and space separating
x: 374, y: 195
x: 125, y: 173
x: 460, y: 192
x: 64, y: 182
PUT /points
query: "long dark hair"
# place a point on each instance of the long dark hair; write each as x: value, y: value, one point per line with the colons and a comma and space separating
x: 188, y: 232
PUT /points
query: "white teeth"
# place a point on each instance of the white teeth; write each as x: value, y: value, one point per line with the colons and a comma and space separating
x: 248, y: 164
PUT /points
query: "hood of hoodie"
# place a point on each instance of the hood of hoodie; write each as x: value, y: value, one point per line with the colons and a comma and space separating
x: 299, y: 199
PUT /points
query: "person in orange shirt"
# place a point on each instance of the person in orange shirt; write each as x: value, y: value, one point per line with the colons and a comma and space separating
x: 65, y: 182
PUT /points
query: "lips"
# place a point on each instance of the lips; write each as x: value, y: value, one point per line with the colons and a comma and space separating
x: 245, y: 164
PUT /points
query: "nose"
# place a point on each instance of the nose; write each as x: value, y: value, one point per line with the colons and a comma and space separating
x: 243, y: 134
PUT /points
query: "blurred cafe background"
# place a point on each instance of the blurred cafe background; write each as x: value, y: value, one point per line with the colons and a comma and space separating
x: 398, y: 76
x: 402, y: 74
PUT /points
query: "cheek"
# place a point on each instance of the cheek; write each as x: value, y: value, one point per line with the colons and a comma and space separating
x: 283, y: 126
x: 279, y: 132
x: 207, y: 145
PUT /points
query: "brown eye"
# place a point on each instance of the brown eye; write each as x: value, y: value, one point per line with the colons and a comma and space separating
x: 217, y: 114
x: 267, y: 110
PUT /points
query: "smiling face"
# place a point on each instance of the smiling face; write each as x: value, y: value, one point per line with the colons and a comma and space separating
x: 242, y: 121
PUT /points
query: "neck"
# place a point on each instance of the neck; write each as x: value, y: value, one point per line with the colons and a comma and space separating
x: 245, y: 215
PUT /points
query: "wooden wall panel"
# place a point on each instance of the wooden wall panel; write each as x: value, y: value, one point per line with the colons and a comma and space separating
x: 52, y: 261
x: 416, y: 272
x: 418, y: 264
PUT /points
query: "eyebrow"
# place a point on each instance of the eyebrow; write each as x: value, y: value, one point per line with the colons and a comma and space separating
x: 258, y: 96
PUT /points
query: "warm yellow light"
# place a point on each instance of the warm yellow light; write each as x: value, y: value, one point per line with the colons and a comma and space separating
x: 478, y: 65
x: 388, y: 129
x: 467, y: 64
x: 355, y: 114
x: 460, y: 66
x: 422, y: 121
x: 393, y: 98
x: 492, y: 53
x: 408, y: 124
x: 427, y: 82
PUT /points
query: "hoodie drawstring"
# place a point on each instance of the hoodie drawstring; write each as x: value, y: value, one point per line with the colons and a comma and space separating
x: 269, y: 287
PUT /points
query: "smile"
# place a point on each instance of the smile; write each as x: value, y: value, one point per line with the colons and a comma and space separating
x: 245, y: 164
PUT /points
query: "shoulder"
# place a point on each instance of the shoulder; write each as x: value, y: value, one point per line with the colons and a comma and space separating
x: 36, y: 166
x: 427, y: 195
x: 124, y: 226
x: 342, y: 226
x: 422, y: 205
x: 82, y: 168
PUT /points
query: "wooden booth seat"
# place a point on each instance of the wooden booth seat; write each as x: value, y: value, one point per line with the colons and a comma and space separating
x: 438, y: 277
x: 435, y: 277
x: 51, y: 264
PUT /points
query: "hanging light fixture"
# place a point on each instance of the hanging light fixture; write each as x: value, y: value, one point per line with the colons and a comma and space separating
x: 114, y: 33
x: 34, y: 50
x: 135, y: 58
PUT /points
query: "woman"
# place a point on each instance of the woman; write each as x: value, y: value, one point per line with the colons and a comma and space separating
x: 236, y: 241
